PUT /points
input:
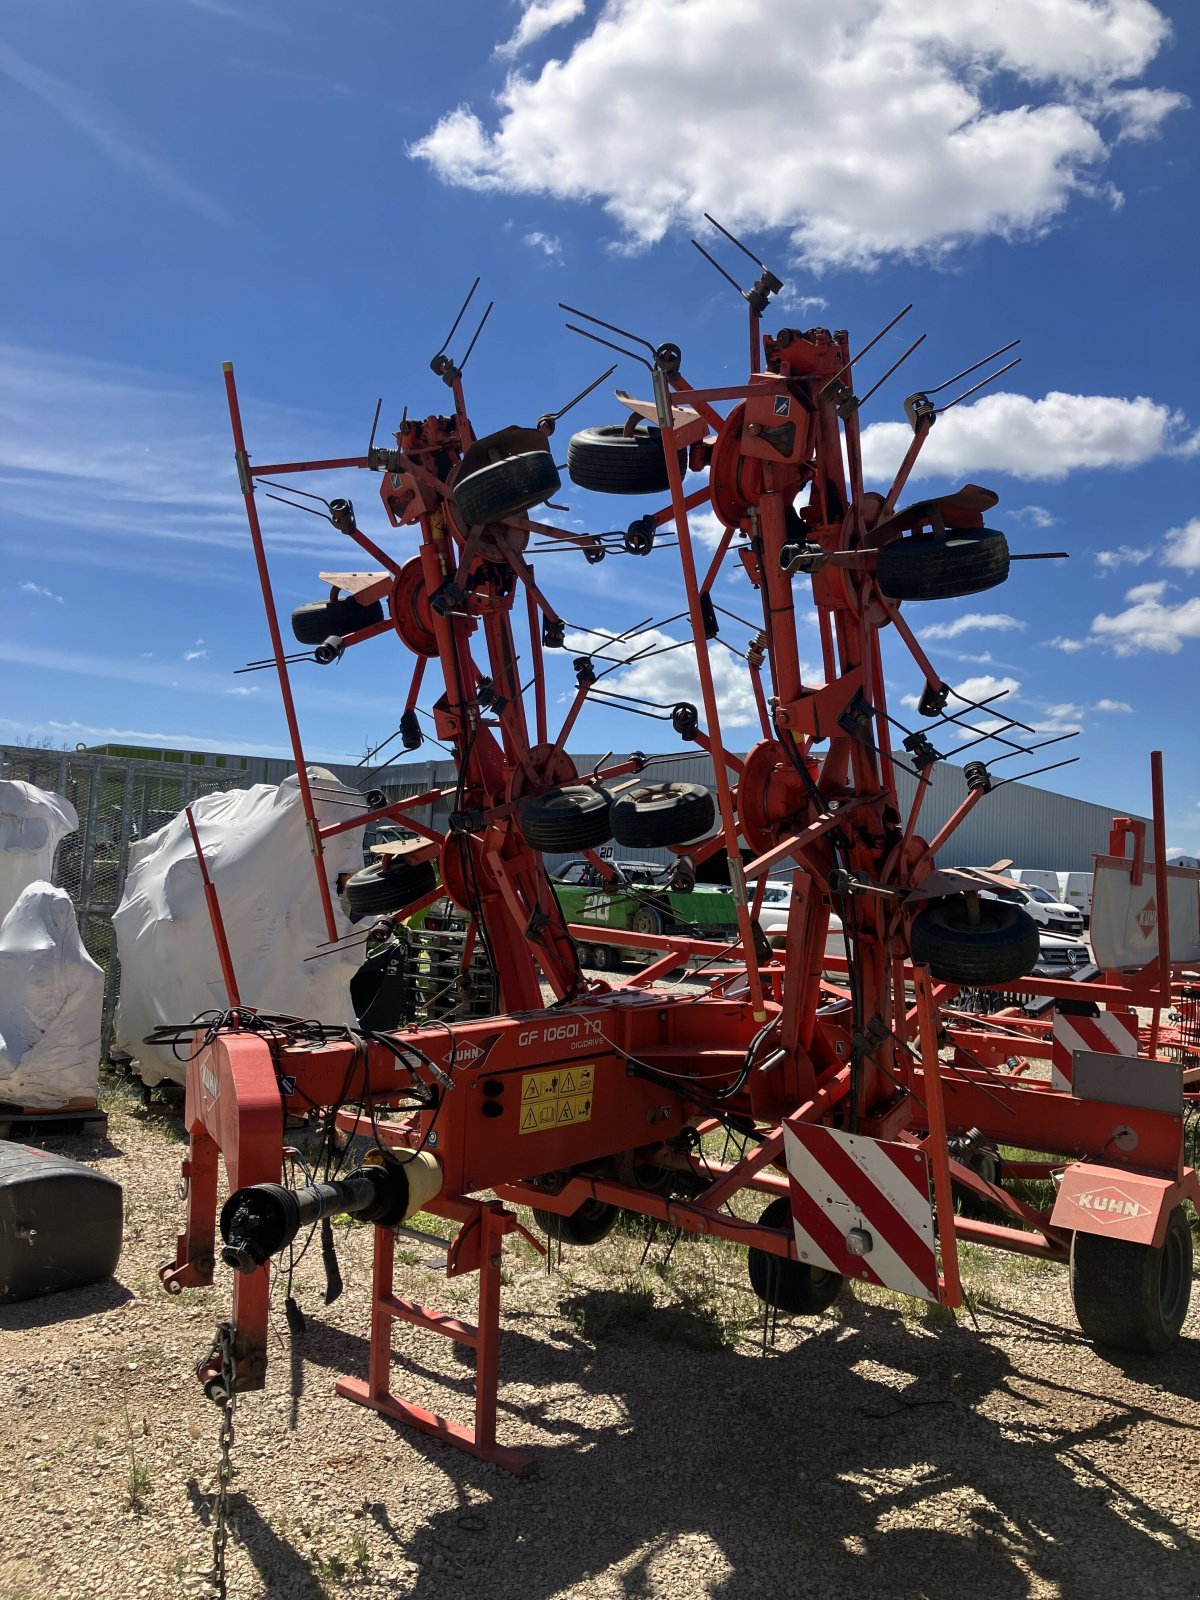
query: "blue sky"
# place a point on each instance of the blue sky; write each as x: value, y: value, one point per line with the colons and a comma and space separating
x: 309, y: 189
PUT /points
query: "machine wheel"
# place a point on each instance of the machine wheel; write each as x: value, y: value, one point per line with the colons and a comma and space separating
x: 1000, y: 946
x: 604, y: 958
x: 588, y: 1225
x: 573, y: 817
x: 645, y: 920
x: 662, y: 813
x: 585, y: 952
x: 788, y: 1285
x: 922, y: 567
x: 313, y: 623
x: 504, y: 488
x: 383, y: 888
x: 1133, y: 1296
x: 607, y: 460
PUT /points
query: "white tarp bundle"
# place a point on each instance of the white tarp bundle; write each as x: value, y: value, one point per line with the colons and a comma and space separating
x: 31, y: 824
x: 51, y: 997
x: 256, y: 845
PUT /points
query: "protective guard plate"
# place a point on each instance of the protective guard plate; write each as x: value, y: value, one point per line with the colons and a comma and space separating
x: 844, y: 1184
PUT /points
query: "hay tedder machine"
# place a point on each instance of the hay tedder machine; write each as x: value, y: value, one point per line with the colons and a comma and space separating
x: 873, y: 1120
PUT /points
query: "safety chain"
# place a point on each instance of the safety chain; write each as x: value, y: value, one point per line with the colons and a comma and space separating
x: 223, y: 1390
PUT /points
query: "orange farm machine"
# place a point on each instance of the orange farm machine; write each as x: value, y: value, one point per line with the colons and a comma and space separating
x: 864, y: 1102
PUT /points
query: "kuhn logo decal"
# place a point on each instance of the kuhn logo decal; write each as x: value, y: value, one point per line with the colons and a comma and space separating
x: 210, y: 1082
x: 469, y: 1052
x: 1110, y: 1203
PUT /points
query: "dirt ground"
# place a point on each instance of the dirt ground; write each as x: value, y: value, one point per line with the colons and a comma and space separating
x: 878, y: 1450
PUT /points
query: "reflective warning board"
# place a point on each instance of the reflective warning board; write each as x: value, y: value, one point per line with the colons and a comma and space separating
x: 556, y: 1098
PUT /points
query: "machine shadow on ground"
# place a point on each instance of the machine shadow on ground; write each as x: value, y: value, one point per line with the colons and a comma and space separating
x: 860, y: 1461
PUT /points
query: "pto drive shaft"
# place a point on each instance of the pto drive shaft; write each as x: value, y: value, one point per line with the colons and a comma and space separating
x: 261, y: 1219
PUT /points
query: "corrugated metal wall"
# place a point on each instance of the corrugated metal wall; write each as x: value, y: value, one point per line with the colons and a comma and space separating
x: 1033, y: 827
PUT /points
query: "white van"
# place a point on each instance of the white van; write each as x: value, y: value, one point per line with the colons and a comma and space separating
x: 1076, y: 891
x: 1037, y: 878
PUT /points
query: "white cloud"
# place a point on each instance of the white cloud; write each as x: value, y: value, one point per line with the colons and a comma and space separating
x: 548, y: 243
x: 537, y: 19
x: 967, y: 119
x: 667, y: 679
x: 1035, y: 516
x: 1147, y: 623
x: 706, y: 528
x: 1000, y: 621
x: 83, y: 113
x: 1112, y: 705
x: 39, y: 591
x: 984, y: 686
x: 1181, y: 548
x: 1125, y: 555
x: 1067, y: 646
x: 1045, y: 439
x: 197, y: 652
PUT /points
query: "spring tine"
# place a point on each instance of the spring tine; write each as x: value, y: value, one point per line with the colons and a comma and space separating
x: 582, y: 395
x: 1041, y: 745
x: 892, y: 369
x: 729, y: 278
x: 296, y: 507
x: 620, y: 349
x: 462, y: 364
x: 374, y: 424
x: 457, y: 320
x: 982, y: 384
x: 600, y: 323
x: 870, y: 345
x: 1053, y: 767
x: 733, y: 239
x: 974, y: 367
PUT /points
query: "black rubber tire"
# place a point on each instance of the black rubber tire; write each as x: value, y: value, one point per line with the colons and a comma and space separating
x: 921, y: 567
x: 1133, y: 1296
x: 646, y: 921
x: 586, y: 1226
x: 605, y: 958
x: 1001, y: 947
x: 574, y: 817
x: 585, y: 953
x: 662, y: 813
x: 504, y: 488
x: 313, y: 623
x: 382, y: 888
x: 608, y: 461
x: 790, y: 1286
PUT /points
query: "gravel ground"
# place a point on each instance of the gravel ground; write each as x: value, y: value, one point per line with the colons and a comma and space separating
x: 877, y: 1450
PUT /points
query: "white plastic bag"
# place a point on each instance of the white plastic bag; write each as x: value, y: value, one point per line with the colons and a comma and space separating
x: 51, y: 996
x: 32, y: 822
x: 256, y: 845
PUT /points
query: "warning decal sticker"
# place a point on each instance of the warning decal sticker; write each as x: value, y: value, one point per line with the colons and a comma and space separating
x: 557, y: 1098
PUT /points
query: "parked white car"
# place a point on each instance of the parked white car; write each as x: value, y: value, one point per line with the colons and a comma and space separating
x: 1045, y: 909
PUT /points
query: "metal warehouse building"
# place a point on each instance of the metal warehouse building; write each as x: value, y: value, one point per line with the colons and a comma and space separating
x: 1032, y: 827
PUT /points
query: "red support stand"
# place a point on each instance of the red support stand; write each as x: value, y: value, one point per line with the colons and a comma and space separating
x: 484, y: 1235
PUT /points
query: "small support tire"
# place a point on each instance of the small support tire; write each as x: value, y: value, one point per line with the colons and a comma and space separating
x: 588, y: 1225
x: 1000, y: 947
x: 383, y: 888
x: 922, y: 567
x: 572, y: 817
x: 313, y: 623
x: 790, y: 1286
x: 607, y: 460
x: 1133, y: 1296
x: 662, y: 814
x: 505, y: 488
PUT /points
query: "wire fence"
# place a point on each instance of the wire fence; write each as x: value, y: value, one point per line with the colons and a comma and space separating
x: 119, y: 801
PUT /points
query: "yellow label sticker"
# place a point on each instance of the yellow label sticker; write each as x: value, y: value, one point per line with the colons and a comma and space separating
x: 556, y: 1098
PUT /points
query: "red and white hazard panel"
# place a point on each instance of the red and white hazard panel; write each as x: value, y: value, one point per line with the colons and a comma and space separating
x: 862, y: 1207
x: 1112, y: 1033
